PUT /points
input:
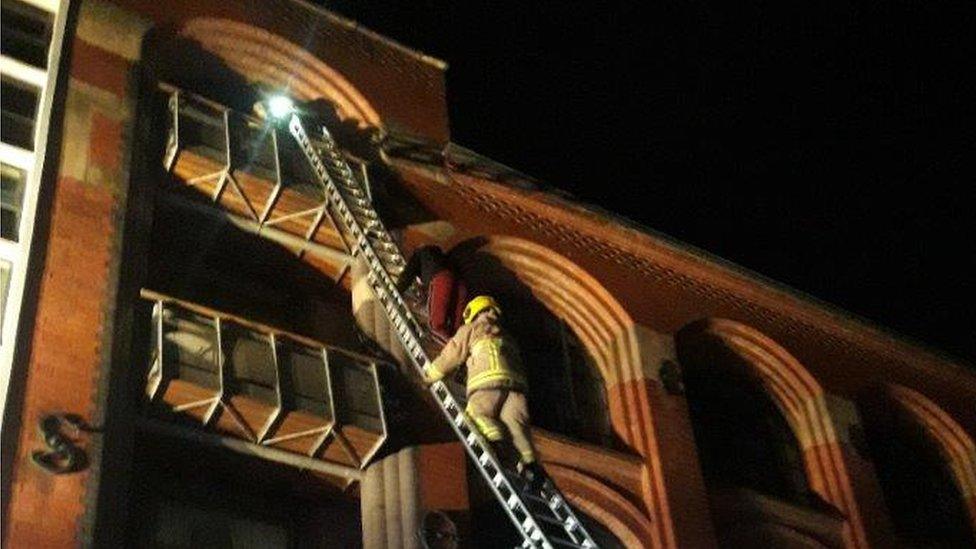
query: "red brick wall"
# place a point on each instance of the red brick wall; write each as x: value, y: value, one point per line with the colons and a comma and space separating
x: 76, y: 292
x: 443, y: 477
x: 44, y: 509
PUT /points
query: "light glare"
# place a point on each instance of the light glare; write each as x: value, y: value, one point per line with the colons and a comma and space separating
x: 280, y: 106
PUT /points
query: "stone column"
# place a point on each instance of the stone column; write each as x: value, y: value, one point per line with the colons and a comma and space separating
x: 865, y: 489
x: 390, y: 498
x: 650, y: 398
x: 371, y: 317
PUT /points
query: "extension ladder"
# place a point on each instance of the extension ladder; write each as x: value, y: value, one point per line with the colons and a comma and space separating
x: 542, y: 517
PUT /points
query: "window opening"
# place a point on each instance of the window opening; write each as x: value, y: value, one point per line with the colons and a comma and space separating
x: 11, y: 200
x: 26, y: 32
x: 18, y: 109
x: 923, y: 500
x: 742, y: 436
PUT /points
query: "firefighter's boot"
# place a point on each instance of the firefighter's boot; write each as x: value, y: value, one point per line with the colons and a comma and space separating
x: 533, y: 474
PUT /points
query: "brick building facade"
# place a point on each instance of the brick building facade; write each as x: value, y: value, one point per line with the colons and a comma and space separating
x: 679, y: 401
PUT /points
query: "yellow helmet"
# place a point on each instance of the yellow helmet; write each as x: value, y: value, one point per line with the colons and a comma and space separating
x: 479, y: 304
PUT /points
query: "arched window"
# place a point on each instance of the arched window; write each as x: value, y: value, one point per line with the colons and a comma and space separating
x: 743, y: 439
x: 567, y: 394
x: 920, y: 490
x: 764, y: 437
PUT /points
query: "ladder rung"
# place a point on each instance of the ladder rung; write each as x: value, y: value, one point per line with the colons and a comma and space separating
x: 387, y: 247
x: 351, y: 204
x: 498, y: 479
x: 513, y: 501
x: 563, y: 542
x: 381, y: 237
x: 533, y: 497
x: 550, y: 520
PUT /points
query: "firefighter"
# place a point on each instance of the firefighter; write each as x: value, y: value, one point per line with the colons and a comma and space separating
x: 496, y: 383
x: 446, y: 292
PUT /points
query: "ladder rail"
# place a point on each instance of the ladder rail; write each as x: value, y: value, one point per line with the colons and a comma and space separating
x: 407, y: 329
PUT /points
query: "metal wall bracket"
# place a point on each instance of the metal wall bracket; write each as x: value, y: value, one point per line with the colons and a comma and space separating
x: 61, y: 433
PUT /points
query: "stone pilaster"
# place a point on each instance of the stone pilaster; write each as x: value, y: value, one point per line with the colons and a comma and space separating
x: 651, y: 399
x: 390, y: 498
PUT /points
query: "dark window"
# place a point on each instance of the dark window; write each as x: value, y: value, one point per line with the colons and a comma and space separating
x: 11, y: 201
x: 579, y: 387
x: 742, y: 437
x: 190, y: 348
x: 188, y: 496
x: 356, y: 400
x: 566, y: 391
x: 26, y: 33
x: 19, y: 111
x: 250, y: 363
x: 923, y: 501
x: 304, y: 382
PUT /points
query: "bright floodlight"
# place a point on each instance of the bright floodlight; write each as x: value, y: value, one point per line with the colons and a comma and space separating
x: 280, y: 106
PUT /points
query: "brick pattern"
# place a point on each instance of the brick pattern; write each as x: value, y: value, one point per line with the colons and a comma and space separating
x: 676, y: 458
x: 63, y: 361
x: 627, y: 523
x: 98, y: 67
x: 405, y: 88
x: 666, y: 287
x: 75, y: 293
x: 74, y: 299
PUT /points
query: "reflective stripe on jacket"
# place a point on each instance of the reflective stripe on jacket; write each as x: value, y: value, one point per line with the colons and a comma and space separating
x: 491, y: 355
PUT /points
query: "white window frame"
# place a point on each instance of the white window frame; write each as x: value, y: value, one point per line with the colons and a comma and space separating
x: 32, y: 162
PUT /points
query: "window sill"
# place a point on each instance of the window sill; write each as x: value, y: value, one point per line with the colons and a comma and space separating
x: 746, y: 516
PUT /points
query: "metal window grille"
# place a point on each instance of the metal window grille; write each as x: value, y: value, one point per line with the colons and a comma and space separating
x: 248, y: 167
x: 262, y: 385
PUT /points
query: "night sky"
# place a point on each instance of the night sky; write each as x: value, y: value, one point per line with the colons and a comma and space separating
x: 827, y: 145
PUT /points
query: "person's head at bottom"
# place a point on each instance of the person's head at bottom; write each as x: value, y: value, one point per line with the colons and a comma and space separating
x: 438, y: 531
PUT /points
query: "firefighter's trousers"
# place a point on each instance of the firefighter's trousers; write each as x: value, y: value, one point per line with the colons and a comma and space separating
x: 487, y: 406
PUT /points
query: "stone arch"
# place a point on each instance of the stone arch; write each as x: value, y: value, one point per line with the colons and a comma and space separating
x: 618, y: 515
x: 803, y: 403
x: 569, y: 292
x: 611, y: 338
x: 954, y: 444
x: 262, y: 56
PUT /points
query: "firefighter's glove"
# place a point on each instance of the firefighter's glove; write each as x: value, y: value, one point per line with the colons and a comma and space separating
x: 432, y: 374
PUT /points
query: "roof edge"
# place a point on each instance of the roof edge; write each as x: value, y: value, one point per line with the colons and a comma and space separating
x: 564, y: 199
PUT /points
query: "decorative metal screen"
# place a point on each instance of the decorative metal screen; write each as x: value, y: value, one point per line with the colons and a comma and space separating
x: 262, y: 385
x: 247, y: 169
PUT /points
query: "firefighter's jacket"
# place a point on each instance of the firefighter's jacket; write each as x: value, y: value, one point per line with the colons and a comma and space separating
x: 491, y: 355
